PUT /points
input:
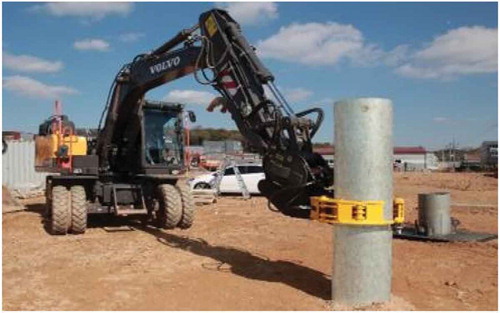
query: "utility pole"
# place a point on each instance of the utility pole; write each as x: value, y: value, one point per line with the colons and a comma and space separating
x: 362, y: 254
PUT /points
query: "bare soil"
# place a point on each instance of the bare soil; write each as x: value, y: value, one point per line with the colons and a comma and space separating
x: 241, y: 256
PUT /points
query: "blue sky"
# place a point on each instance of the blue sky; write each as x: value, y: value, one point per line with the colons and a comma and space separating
x: 436, y: 61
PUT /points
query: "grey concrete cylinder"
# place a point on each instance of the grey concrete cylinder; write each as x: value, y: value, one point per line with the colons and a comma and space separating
x: 434, y: 214
x: 362, y: 255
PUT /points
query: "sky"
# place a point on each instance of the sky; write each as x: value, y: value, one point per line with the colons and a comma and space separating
x: 437, y: 62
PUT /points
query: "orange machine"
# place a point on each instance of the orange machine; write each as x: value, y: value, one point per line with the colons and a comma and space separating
x: 56, y: 144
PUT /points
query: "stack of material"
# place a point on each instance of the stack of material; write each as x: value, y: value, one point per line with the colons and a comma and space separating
x: 9, y: 203
x: 204, y: 196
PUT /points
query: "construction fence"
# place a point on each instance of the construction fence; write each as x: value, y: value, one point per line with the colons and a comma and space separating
x: 18, y: 169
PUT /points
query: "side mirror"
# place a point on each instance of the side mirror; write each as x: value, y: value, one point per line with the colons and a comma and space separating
x: 192, y: 116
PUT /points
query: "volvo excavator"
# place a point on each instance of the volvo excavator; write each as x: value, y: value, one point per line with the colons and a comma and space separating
x: 134, y: 165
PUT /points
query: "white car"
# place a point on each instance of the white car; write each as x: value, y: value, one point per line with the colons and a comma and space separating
x: 251, y: 174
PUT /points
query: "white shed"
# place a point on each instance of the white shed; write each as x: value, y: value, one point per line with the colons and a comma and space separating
x: 415, y: 158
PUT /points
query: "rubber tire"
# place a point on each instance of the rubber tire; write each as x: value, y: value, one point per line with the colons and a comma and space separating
x: 170, y: 206
x: 187, y: 218
x: 60, y: 213
x: 78, y: 209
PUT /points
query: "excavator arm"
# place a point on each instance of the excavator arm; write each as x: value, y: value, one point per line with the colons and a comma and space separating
x: 293, y: 171
x: 217, y: 54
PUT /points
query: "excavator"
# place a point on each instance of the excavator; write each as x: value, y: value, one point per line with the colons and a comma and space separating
x: 134, y: 164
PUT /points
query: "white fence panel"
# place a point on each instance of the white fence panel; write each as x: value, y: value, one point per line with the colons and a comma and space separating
x: 18, y: 167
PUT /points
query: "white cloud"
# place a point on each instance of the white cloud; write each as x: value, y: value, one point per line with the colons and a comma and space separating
x: 290, y: 94
x: 91, y: 44
x: 372, y: 55
x: 90, y: 10
x: 315, y: 44
x: 251, y: 13
x: 190, y: 97
x: 28, y: 63
x: 460, y: 51
x: 130, y: 37
x: 297, y: 94
x: 27, y: 86
x: 397, y: 56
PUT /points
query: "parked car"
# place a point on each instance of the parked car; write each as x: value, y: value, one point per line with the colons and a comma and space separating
x: 251, y: 174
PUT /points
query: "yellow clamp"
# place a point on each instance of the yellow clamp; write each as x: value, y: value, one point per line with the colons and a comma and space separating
x: 398, y: 212
x: 364, y: 213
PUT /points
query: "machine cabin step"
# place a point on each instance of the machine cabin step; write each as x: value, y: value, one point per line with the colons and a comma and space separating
x: 132, y: 194
x: 123, y: 211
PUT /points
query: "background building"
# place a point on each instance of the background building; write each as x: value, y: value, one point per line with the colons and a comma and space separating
x: 489, y: 154
x: 415, y: 158
x: 409, y: 158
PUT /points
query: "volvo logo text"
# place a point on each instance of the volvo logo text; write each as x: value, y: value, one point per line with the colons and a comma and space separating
x: 165, y: 65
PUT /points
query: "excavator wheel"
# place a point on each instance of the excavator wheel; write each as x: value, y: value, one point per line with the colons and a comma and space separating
x: 78, y: 210
x: 187, y: 205
x: 170, y: 206
x: 61, y: 211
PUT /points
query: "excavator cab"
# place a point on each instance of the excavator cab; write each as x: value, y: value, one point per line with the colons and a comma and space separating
x: 163, y: 145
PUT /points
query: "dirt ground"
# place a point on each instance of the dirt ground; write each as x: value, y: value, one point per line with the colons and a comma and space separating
x: 241, y: 256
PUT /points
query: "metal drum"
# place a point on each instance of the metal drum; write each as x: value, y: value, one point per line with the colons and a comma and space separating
x: 434, y: 217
